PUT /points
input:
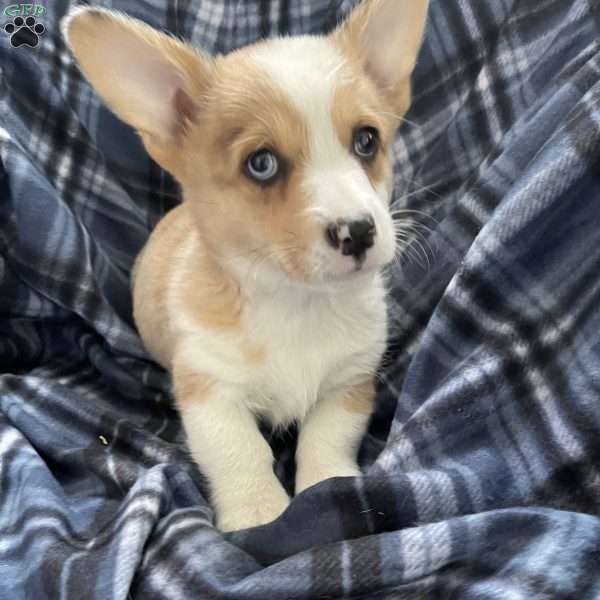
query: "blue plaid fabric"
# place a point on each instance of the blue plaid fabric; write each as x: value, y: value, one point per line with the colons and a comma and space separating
x: 482, y: 462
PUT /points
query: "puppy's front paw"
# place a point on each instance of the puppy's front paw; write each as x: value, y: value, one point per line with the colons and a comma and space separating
x: 257, y: 507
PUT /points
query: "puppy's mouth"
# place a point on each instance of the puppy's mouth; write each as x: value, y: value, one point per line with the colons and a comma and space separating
x: 358, y: 271
x: 327, y: 277
x: 303, y: 268
x: 360, y: 267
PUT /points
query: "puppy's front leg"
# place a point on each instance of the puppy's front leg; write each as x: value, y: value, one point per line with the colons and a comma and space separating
x: 330, y: 436
x: 229, y: 449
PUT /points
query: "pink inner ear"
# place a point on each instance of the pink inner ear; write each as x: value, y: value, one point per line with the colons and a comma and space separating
x: 156, y: 93
x: 185, y: 111
x: 392, y: 37
x: 381, y: 45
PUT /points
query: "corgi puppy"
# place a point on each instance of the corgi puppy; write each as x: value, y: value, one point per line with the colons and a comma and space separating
x: 262, y: 293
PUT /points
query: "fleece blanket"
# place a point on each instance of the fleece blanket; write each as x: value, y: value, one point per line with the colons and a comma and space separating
x: 482, y: 462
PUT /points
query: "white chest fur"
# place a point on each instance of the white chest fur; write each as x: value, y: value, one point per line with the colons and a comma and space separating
x: 314, y: 343
x: 309, y: 342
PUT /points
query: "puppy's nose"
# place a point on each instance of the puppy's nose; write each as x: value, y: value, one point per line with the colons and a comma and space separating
x: 353, y: 238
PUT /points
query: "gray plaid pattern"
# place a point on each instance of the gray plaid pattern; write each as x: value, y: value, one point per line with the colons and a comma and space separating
x: 482, y: 463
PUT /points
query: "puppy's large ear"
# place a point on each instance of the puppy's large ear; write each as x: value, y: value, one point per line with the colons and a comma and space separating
x: 150, y: 80
x: 386, y: 36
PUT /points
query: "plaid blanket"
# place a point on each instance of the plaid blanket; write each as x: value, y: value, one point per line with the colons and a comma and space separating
x: 482, y: 462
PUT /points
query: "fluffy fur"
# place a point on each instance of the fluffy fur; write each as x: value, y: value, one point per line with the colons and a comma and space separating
x: 238, y: 292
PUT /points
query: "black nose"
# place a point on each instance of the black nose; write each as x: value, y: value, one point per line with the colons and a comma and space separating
x: 354, y: 238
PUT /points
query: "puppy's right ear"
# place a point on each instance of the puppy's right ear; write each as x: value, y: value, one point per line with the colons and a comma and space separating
x: 149, y: 79
x: 386, y: 36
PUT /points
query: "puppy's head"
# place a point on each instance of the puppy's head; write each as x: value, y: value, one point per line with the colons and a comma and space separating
x: 282, y: 148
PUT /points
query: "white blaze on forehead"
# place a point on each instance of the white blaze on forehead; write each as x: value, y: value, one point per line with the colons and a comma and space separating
x: 308, y: 71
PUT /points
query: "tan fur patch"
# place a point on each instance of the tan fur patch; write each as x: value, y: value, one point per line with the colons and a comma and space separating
x: 244, y: 113
x: 208, y: 295
x: 189, y: 386
x: 358, y: 105
x: 213, y: 299
x: 152, y: 279
x: 253, y: 353
x: 361, y: 399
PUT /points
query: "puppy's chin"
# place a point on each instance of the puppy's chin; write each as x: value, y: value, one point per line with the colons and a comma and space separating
x: 357, y: 272
x: 344, y: 269
x: 336, y: 271
x: 275, y: 272
x: 331, y: 281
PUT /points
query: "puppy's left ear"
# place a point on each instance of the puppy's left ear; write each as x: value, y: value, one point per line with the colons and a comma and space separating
x: 150, y: 80
x: 385, y: 36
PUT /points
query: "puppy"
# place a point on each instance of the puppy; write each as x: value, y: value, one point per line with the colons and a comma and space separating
x: 262, y: 293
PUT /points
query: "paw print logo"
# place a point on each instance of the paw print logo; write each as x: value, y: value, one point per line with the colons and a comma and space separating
x: 24, y: 32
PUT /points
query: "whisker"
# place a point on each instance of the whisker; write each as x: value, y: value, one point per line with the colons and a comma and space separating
x: 412, y: 227
x: 399, y: 118
x: 409, y: 211
x: 428, y: 190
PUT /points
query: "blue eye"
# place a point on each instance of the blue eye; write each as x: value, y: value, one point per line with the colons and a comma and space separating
x: 366, y: 142
x: 262, y: 166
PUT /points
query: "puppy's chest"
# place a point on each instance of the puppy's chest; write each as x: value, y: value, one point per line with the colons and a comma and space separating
x: 308, y: 351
